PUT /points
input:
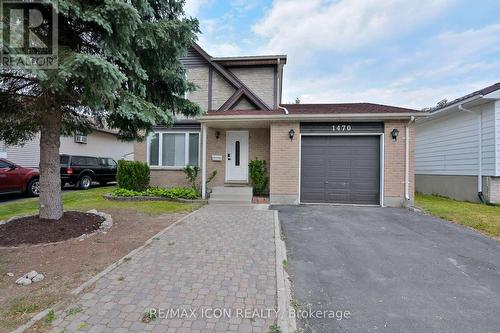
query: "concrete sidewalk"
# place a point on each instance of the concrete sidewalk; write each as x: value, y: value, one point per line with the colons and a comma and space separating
x: 220, y: 257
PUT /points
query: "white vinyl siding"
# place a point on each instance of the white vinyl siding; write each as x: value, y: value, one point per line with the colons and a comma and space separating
x: 488, y: 143
x: 99, y: 144
x: 449, y: 145
x: 27, y: 154
x: 497, y: 136
x: 3, y: 150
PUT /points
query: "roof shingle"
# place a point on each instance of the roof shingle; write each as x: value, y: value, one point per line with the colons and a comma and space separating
x: 344, y: 108
x: 484, y: 91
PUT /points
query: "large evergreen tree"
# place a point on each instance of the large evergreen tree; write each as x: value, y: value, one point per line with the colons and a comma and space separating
x: 118, y: 66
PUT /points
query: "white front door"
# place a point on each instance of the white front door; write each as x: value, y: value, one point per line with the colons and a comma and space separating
x: 237, y: 156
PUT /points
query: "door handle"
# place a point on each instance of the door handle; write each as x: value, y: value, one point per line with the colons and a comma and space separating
x: 229, y: 157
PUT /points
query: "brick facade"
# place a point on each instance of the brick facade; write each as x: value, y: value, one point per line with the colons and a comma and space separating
x: 260, y: 80
x: 200, y: 76
x: 492, y: 185
x: 258, y: 148
x: 394, y: 160
x: 284, y: 167
x: 282, y: 158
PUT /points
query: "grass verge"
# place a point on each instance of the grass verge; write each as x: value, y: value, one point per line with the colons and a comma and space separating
x: 93, y: 199
x: 484, y: 218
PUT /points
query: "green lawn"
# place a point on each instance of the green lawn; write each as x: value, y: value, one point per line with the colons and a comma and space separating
x: 93, y: 198
x: 483, y: 218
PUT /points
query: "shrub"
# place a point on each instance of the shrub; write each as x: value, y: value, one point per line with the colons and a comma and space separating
x: 133, y: 175
x: 258, y: 175
x: 123, y: 192
x: 191, y: 173
x: 156, y: 192
x: 192, y: 176
x: 172, y: 193
x: 183, y: 192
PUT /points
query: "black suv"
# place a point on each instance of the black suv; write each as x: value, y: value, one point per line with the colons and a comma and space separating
x: 81, y: 171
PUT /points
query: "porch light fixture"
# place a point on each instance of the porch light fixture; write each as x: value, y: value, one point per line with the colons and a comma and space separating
x: 217, y: 135
x: 291, y: 134
x: 394, y: 134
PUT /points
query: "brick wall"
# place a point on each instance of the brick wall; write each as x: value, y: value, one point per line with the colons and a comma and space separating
x: 284, y: 167
x: 199, y: 76
x: 216, y: 147
x: 394, y: 160
x: 221, y: 91
x: 259, y: 147
x: 244, y: 104
x: 259, y: 79
x: 492, y: 185
x: 282, y: 157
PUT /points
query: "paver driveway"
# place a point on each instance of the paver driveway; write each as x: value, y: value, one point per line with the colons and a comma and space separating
x: 221, y: 257
x: 394, y: 270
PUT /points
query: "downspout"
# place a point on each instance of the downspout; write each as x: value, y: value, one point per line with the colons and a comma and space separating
x: 278, y: 87
x: 480, y: 152
x: 407, y: 158
x: 283, y: 108
x: 204, y: 161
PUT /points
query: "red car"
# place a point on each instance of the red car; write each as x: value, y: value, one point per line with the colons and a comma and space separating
x: 16, y: 179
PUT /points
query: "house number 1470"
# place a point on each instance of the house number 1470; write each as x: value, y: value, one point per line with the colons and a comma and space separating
x: 342, y: 128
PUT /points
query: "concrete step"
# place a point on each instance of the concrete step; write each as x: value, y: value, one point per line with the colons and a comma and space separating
x: 231, y: 197
x: 222, y: 194
x: 243, y: 190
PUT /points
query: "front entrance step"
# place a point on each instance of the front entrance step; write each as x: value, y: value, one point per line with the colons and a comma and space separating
x: 223, y: 194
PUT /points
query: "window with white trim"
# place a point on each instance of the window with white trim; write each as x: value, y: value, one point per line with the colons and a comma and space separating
x: 173, y: 149
x: 80, y: 137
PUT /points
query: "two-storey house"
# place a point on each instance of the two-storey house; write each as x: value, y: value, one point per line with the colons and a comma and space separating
x: 357, y: 153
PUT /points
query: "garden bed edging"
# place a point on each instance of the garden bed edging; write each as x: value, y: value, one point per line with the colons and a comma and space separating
x: 146, y: 198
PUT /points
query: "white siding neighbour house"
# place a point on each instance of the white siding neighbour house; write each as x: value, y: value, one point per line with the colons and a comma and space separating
x: 3, y: 150
x: 449, y: 145
x: 99, y: 144
x: 447, y: 148
x: 497, y: 136
x: 26, y: 154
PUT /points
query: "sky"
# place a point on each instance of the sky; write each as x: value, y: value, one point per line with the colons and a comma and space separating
x: 410, y: 53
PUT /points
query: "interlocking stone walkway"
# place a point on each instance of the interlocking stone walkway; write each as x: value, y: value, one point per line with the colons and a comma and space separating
x: 221, y: 257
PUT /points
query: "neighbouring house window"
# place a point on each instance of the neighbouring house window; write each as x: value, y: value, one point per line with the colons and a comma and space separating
x: 80, y: 137
x: 173, y: 149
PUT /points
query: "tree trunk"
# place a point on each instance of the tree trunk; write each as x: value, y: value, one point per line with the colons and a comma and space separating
x: 50, y: 177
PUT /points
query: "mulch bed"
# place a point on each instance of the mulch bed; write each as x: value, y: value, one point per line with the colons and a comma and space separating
x: 33, y: 230
x: 260, y: 200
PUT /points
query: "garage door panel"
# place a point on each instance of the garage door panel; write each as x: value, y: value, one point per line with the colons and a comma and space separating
x: 340, y: 169
x: 338, y: 198
x: 365, y: 173
x: 337, y: 185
